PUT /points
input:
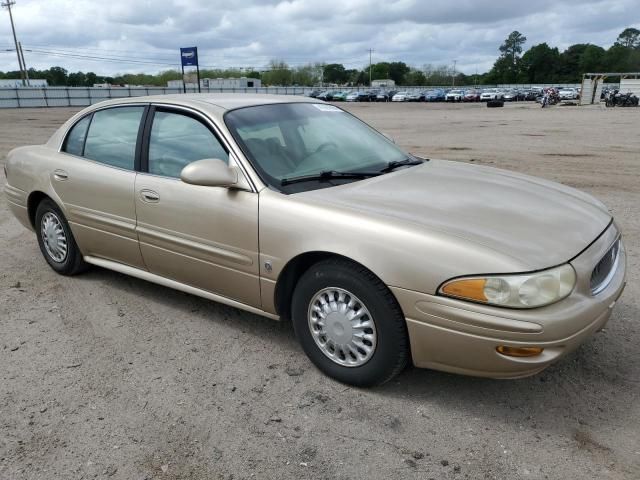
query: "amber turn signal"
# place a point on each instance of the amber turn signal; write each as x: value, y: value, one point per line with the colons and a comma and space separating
x: 519, y: 351
x: 472, y: 289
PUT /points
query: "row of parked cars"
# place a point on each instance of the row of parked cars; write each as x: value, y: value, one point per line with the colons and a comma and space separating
x: 441, y: 95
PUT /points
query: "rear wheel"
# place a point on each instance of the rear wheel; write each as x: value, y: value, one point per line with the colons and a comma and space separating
x: 349, y: 324
x: 56, y: 241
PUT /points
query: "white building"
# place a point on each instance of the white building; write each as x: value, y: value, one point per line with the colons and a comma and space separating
x: 242, y: 82
x: 17, y: 83
x: 383, y: 83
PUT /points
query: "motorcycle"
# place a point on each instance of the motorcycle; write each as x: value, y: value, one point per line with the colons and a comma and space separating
x: 550, y: 97
x: 617, y: 99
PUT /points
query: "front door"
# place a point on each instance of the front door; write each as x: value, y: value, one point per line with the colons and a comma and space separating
x: 205, y: 237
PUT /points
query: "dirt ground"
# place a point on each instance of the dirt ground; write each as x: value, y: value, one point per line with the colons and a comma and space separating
x: 106, y: 376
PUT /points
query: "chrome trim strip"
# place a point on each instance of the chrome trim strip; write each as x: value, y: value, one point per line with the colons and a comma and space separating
x: 102, y: 221
x: 191, y: 243
x: 165, y: 282
x: 15, y: 195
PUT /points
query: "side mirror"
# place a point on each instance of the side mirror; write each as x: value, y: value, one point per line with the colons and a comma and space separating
x: 209, y: 172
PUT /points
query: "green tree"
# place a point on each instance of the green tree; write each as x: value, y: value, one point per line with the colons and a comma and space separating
x: 305, y: 75
x: 398, y: 71
x: 334, y: 73
x: 540, y: 64
x: 512, y: 46
x: 278, y: 73
x: 56, y: 76
x: 91, y: 78
x: 568, y: 70
x: 591, y: 60
x: 76, y: 79
x: 506, y: 68
x: 629, y: 37
x: 415, y: 77
x: 618, y: 59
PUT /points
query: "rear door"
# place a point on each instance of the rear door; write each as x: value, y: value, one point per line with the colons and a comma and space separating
x: 205, y: 237
x: 95, y: 179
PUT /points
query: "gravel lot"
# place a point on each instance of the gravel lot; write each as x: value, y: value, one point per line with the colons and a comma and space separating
x: 106, y: 376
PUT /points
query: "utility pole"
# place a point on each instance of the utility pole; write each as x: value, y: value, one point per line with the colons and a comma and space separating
x: 8, y: 4
x: 453, y: 77
x: 24, y: 64
x: 370, y: 52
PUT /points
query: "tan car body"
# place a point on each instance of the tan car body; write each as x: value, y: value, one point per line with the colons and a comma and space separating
x: 414, y: 228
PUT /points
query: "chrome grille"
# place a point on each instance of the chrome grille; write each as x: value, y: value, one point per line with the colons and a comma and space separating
x: 605, y: 269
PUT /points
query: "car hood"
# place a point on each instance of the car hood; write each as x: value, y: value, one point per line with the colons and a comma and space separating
x: 537, y: 222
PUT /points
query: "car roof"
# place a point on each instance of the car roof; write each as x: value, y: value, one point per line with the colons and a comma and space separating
x: 216, y: 103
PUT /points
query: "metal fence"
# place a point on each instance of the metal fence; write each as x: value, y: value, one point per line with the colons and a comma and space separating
x: 83, y: 96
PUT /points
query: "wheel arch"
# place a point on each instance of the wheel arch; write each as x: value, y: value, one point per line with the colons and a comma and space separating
x: 295, y: 268
x: 33, y: 201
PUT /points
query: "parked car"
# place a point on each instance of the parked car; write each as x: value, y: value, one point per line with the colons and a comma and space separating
x: 491, y: 94
x: 414, y: 97
x: 401, y: 97
x: 289, y: 207
x: 436, y: 95
x: 358, y: 97
x: 385, y: 96
x: 533, y: 93
x: 327, y: 95
x: 372, y: 94
x: 471, y: 96
x: 510, y: 96
x: 568, y: 93
x: 353, y: 97
x: 454, y: 96
x: 314, y: 93
x: 340, y: 96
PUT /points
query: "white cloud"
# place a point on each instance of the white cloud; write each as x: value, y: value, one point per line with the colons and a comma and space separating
x: 250, y: 33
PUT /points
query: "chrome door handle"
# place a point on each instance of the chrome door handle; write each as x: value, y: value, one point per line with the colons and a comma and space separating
x: 149, y: 196
x: 60, y: 175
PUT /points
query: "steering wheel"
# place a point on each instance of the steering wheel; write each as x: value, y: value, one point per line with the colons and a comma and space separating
x: 324, y: 146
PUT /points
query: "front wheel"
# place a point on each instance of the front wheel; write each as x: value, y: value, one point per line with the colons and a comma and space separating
x: 349, y: 324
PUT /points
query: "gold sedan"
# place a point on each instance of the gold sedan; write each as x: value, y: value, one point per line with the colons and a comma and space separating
x: 292, y: 208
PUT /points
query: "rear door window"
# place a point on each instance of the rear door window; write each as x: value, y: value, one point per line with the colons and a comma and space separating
x: 75, y: 139
x: 112, y: 136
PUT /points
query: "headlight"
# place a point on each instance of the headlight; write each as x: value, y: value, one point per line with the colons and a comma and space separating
x: 516, y: 291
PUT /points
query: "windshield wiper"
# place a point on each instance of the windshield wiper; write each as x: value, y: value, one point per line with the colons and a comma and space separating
x: 401, y: 163
x: 328, y: 175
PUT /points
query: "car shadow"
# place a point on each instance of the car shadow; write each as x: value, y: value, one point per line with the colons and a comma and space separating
x: 591, y: 386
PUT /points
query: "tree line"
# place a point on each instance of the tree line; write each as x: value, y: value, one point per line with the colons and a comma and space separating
x: 539, y: 64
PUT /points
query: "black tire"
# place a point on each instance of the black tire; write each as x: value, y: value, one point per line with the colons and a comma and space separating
x: 495, y: 103
x: 73, y: 263
x: 391, y: 353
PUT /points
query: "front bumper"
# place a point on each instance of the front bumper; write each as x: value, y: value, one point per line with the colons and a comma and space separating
x: 462, y: 337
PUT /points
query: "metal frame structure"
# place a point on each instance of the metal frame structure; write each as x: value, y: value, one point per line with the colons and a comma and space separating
x: 592, y: 85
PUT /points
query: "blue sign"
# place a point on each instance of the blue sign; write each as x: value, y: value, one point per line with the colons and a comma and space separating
x: 189, y: 56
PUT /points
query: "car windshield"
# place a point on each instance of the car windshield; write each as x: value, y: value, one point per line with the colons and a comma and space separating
x: 289, y: 140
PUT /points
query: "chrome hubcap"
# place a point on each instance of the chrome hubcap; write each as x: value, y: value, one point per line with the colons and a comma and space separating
x: 53, y: 237
x: 342, y: 327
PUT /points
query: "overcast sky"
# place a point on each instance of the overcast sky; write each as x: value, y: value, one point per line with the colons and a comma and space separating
x: 249, y: 33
